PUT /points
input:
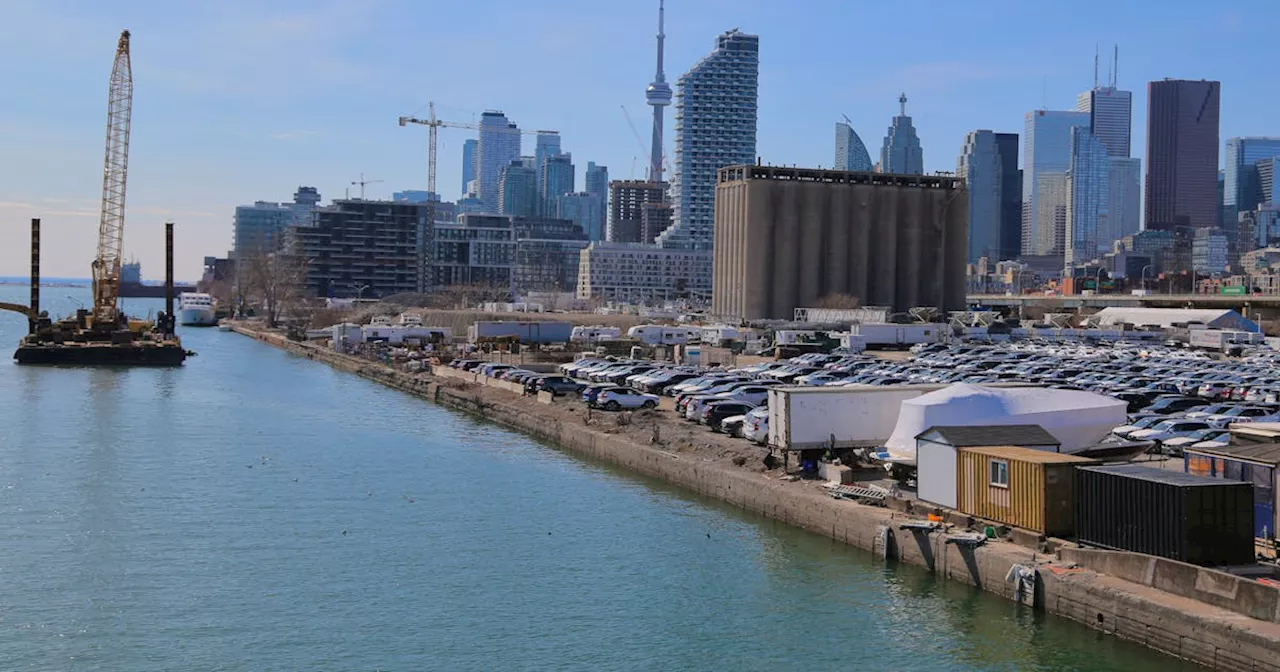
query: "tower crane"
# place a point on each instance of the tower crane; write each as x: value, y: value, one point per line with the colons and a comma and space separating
x: 106, y: 266
x: 432, y: 123
x: 363, y: 182
x: 666, y: 165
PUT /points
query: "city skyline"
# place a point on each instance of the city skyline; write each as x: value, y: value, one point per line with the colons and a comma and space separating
x: 269, y: 120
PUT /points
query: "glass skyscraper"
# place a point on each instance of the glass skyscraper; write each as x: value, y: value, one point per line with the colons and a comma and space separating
x: 1242, y: 188
x: 468, y: 163
x: 851, y: 154
x: 517, y: 190
x: 1110, y: 113
x: 498, y: 146
x: 597, y: 185
x: 1046, y: 159
x: 901, y: 152
x: 547, y: 144
x: 715, y: 127
x: 1088, y: 183
x: 557, y: 180
x: 989, y: 165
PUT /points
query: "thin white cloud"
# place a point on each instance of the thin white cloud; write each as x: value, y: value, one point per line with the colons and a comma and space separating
x: 34, y: 209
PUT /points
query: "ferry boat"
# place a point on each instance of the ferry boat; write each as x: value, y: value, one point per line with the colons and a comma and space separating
x: 195, y: 309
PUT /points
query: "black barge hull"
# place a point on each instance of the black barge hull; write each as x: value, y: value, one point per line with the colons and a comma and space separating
x: 101, y: 354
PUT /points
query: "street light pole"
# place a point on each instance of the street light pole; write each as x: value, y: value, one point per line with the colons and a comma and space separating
x: 1144, y: 276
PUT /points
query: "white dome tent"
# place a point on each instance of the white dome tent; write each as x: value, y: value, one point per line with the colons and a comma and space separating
x: 1079, y: 420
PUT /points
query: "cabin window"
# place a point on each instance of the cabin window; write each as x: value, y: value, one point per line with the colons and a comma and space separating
x: 999, y: 473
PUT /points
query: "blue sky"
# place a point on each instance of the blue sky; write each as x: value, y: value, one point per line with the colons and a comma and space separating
x: 241, y: 101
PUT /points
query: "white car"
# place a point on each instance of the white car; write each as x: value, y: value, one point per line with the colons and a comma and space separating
x: 1169, y: 429
x: 1146, y: 422
x: 620, y: 398
x: 756, y: 427
x: 1240, y: 414
x: 1211, y: 409
x: 1210, y: 435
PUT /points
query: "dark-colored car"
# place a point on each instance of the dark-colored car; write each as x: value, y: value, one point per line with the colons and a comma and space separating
x: 719, y: 410
x: 1172, y: 404
x: 557, y: 385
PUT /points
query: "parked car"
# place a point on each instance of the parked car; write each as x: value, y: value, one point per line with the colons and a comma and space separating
x: 733, y: 424
x: 1175, y: 446
x: 716, y: 412
x: 618, y: 398
x: 557, y: 385
x: 1169, y: 429
x: 756, y: 427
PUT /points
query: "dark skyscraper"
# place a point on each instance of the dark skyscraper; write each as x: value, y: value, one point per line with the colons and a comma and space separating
x: 1182, y: 154
x: 1010, y: 196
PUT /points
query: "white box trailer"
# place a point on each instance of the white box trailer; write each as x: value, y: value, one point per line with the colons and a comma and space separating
x: 858, y: 416
x: 877, y: 335
x: 1221, y: 339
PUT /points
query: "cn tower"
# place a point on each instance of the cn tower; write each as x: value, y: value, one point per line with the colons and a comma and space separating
x: 658, y: 95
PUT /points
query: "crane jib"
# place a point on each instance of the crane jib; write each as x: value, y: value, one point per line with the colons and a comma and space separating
x: 106, y: 266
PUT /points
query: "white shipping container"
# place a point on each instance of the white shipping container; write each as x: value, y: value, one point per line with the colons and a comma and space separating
x: 853, y: 417
x: 899, y: 334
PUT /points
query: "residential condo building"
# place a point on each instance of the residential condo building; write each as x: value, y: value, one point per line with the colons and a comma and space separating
x: 641, y: 273
x: 260, y: 227
x: 715, y: 127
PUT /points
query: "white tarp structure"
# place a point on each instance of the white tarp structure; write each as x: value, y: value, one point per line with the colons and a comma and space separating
x: 1214, y: 318
x: 1079, y: 420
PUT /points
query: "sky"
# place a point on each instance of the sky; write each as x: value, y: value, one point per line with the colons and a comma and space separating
x: 239, y: 101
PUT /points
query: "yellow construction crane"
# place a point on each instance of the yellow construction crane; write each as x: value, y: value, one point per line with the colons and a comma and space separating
x: 432, y: 123
x: 106, y: 266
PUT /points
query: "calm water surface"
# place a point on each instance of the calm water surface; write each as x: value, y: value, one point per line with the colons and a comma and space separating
x: 255, y: 511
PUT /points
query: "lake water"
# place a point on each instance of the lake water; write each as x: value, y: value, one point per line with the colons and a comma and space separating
x: 256, y: 511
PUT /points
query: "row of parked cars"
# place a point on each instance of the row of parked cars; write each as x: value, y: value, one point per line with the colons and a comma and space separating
x: 532, y: 381
x: 1175, y: 397
x: 733, y: 401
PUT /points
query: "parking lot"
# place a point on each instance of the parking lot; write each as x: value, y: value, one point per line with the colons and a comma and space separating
x: 1176, y: 397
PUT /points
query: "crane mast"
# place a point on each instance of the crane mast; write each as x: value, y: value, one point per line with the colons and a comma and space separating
x: 106, y: 266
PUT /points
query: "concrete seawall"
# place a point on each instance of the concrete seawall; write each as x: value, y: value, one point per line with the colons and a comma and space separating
x: 1210, y: 635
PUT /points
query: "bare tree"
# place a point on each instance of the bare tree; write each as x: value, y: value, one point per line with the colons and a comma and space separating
x: 277, y: 281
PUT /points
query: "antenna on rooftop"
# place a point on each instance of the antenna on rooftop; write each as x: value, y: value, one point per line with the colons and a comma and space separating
x: 1095, y: 65
x: 1115, y: 69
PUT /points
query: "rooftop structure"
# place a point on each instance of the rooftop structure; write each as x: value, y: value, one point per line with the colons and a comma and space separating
x: 901, y: 153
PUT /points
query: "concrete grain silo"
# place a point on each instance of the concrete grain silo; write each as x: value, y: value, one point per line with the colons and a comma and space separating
x: 787, y: 237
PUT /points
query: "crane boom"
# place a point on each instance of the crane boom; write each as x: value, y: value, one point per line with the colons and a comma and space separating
x: 106, y: 266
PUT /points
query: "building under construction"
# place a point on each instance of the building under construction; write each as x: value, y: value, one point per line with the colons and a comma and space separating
x: 786, y: 238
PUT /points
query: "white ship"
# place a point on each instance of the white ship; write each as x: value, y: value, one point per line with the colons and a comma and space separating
x: 196, y: 310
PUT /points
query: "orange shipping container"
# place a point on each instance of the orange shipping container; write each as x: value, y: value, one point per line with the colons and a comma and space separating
x: 1020, y: 487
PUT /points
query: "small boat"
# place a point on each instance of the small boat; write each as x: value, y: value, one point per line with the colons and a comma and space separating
x: 224, y: 325
x: 196, y: 309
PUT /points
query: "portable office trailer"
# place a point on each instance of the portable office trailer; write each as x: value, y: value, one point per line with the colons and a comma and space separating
x: 1185, y: 517
x: 1257, y: 463
x: 1021, y: 487
x: 937, y: 459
